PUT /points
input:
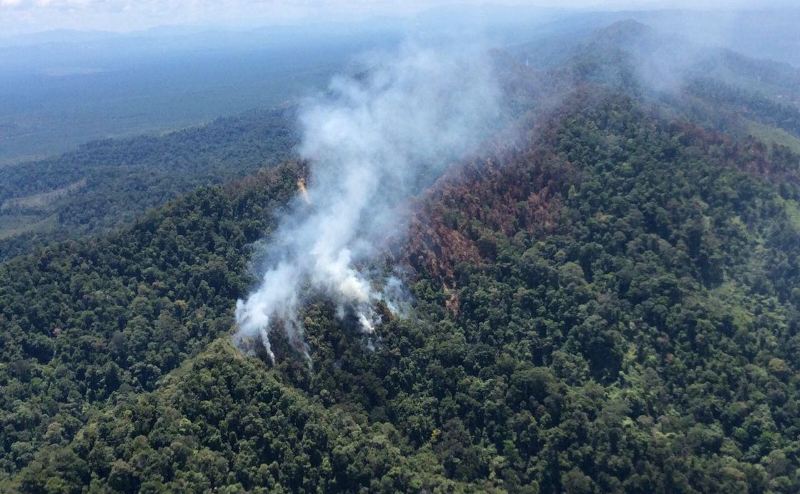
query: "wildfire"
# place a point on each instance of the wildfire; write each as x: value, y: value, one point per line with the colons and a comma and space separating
x: 301, y: 186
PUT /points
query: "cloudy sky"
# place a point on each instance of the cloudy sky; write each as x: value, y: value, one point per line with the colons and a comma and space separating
x: 21, y: 16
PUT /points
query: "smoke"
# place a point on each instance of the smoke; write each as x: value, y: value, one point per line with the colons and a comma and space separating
x: 372, y: 141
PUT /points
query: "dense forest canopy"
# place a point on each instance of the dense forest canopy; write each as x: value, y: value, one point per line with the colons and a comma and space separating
x: 607, y: 304
x: 107, y: 184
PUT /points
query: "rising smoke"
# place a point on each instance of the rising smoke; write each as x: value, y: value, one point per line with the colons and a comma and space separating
x: 371, y: 140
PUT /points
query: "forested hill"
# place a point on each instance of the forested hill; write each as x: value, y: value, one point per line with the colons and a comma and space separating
x: 714, y: 87
x: 607, y: 304
x: 610, y: 307
x: 106, y: 184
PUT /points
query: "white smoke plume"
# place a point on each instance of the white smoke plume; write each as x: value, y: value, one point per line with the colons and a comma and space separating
x: 371, y: 141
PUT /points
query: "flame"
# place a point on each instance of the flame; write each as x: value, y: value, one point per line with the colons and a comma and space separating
x: 301, y: 186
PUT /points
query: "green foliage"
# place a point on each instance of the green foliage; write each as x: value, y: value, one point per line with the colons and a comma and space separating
x: 223, y: 422
x: 617, y: 313
x: 106, y: 184
x: 86, y: 323
x: 753, y: 105
x: 646, y: 344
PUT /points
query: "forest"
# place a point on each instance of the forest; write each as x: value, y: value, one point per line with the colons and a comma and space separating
x: 610, y: 304
x: 620, y: 319
x: 109, y: 183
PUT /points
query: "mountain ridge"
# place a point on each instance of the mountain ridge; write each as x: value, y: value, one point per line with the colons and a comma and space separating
x: 605, y: 303
x: 558, y: 320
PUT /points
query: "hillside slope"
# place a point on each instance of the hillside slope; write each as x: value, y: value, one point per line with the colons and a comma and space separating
x: 106, y: 184
x: 610, y: 307
x: 711, y: 86
x: 607, y: 302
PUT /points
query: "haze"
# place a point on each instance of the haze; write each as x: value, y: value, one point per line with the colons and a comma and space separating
x: 72, y: 71
x: 25, y: 16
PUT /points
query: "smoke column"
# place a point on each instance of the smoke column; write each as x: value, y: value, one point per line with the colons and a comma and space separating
x: 371, y: 142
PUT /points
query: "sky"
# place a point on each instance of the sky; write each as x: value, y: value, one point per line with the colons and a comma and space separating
x: 26, y: 16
